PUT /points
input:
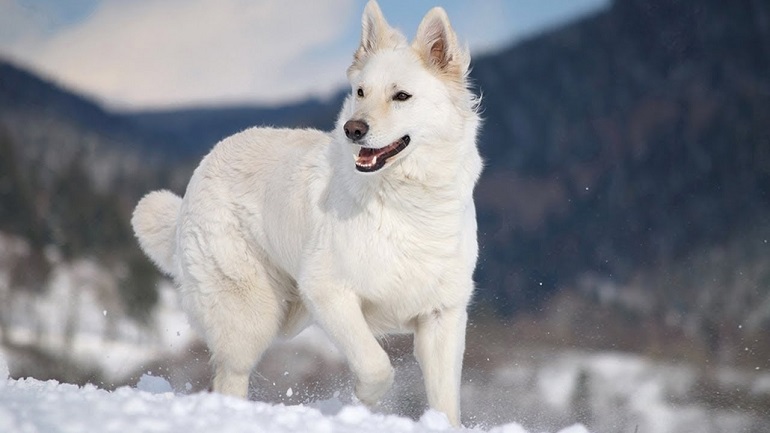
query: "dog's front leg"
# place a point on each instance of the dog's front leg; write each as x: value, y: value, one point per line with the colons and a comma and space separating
x: 439, y: 344
x: 339, y: 313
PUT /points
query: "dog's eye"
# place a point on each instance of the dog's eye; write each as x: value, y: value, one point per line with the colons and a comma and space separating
x: 360, y: 92
x: 401, y: 96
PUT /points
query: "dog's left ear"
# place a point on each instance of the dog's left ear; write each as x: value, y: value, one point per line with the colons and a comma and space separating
x: 437, y: 44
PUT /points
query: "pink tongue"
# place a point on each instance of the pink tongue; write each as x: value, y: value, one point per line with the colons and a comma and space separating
x: 366, y: 156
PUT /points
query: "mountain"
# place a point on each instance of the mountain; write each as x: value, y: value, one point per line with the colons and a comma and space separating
x: 627, y: 169
x: 70, y: 174
x: 23, y: 92
x: 627, y: 190
x: 193, y: 131
x: 53, y: 128
x: 626, y: 140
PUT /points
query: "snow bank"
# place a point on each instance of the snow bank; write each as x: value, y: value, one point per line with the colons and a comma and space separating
x: 33, y: 406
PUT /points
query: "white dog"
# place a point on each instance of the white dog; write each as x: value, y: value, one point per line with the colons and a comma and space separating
x: 366, y: 230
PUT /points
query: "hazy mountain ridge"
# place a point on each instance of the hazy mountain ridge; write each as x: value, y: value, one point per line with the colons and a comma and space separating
x: 194, y: 131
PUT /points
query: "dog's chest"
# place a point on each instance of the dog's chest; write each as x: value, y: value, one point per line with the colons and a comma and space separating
x: 398, y: 256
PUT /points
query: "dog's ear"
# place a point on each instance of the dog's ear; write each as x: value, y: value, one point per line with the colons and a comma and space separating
x: 374, y: 28
x: 437, y: 44
x: 376, y: 35
x: 375, y: 31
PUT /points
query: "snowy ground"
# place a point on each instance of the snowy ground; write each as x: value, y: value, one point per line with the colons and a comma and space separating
x: 32, y: 406
x: 77, y: 327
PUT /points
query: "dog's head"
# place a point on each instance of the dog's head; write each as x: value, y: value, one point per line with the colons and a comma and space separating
x: 405, y: 96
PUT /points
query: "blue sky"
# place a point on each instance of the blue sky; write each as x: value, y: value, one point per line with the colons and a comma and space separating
x: 132, y: 54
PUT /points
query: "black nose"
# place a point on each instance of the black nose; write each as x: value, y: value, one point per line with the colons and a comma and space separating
x: 355, y: 129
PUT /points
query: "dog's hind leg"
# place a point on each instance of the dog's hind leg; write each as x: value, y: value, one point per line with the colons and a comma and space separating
x: 439, y: 344
x: 243, y: 322
x: 234, y: 294
x: 247, y: 328
x: 239, y: 315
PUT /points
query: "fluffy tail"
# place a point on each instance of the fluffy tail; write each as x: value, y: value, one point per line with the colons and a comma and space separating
x: 154, y: 223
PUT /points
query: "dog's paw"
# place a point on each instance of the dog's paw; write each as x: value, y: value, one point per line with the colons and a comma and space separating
x: 369, y: 390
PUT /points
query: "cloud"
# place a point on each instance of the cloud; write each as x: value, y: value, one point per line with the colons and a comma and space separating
x: 19, y: 24
x: 160, y: 53
x: 144, y: 53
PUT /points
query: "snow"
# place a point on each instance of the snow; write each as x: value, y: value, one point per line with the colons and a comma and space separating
x: 153, y: 385
x: 80, y: 314
x: 521, y: 389
x: 33, y: 406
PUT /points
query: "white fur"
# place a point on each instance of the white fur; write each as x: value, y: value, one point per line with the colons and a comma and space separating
x: 277, y: 227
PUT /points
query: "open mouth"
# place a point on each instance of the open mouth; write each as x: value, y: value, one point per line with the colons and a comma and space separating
x: 369, y: 160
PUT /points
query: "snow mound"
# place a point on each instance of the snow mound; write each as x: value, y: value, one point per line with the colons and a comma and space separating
x: 31, y: 405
